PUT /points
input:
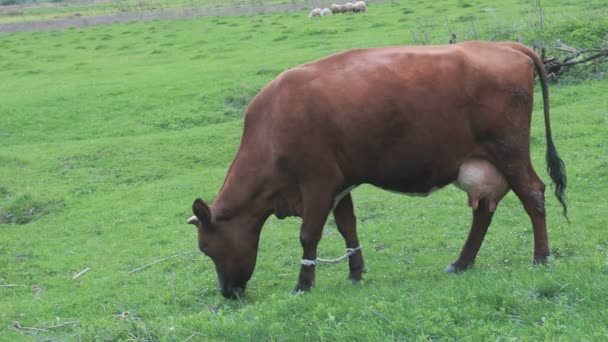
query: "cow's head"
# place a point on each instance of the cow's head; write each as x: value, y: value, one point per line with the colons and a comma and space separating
x: 231, y: 242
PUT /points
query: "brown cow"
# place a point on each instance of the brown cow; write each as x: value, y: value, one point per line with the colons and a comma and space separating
x: 408, y: 119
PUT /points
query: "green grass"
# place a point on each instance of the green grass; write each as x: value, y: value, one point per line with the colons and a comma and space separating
x: 108, y: 133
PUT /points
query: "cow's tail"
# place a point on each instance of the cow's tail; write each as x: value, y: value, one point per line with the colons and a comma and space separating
x: 555, y: 165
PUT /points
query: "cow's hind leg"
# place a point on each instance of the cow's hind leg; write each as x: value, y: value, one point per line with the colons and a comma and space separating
x: 531, y: 192
x: 482, y: 217
x: 347, y: 226
x: 514, y: 163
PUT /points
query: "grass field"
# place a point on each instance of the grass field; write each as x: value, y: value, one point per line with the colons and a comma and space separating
x: 108, y: 133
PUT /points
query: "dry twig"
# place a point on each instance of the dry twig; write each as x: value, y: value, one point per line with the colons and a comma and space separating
x: 157, y: 261
x: 76, y: 275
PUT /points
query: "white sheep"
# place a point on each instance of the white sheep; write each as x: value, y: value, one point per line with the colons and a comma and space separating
x: 349, y: 7
x: 326, y: 11
x: 315, y: 13
x: 360, y: 6
x: 338, y: 8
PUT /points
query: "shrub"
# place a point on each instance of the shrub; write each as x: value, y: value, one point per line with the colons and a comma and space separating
x: 579, y: 33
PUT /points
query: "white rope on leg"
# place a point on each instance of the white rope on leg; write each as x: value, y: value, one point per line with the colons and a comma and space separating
x: 306, y: 262
x: 349, y: 252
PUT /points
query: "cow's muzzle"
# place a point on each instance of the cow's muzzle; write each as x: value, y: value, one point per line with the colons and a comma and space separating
x: 232, y: 292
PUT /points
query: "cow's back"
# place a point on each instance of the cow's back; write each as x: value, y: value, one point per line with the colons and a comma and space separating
x: 403, y: 118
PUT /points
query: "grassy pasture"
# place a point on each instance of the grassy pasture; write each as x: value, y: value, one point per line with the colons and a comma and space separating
x: 108, y: 133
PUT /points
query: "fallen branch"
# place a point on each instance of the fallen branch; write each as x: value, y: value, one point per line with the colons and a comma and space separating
x: 602, y: 54
x: 76, y: 275
x: 157, y: 261
x: 573, y: 57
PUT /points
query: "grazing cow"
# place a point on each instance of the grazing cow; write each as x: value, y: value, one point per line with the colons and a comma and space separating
x: 408, y: 119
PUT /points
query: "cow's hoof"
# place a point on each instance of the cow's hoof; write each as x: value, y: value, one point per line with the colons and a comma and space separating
x: 297, y: 291
x: 456, y: 268
x: 355, y: 278
x: 540, y: 260
x: 356, y: 275
x: 451, y: 269
x: 300, y: 289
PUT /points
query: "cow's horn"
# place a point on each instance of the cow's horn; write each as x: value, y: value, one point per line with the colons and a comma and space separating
x: 193, y: 220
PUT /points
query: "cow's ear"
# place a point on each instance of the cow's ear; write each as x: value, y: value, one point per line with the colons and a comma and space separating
x: 202, y: 213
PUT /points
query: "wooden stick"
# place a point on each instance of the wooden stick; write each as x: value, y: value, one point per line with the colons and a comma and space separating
x: 192, y: 336
x: 30, y: 330
x: 76, y: 275
x: 157, y: 261
x: 12, y: 285
x: 63, y: 325
x: 34, y: 330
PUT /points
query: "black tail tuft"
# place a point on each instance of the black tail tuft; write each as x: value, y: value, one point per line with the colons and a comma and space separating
x: 557, y: 170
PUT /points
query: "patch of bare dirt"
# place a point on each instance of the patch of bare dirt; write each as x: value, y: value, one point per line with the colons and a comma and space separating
x: 168, y: 14
x: 20, y: 7
x: 165, y: 14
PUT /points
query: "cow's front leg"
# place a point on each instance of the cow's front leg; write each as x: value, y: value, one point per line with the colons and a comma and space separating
x: 346, y: 221
x: 313, y: 220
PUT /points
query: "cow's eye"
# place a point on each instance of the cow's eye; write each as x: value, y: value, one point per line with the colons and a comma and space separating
x: 204, y: 248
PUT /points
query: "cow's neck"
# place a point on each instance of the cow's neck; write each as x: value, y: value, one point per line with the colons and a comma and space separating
x: 243, y: 194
